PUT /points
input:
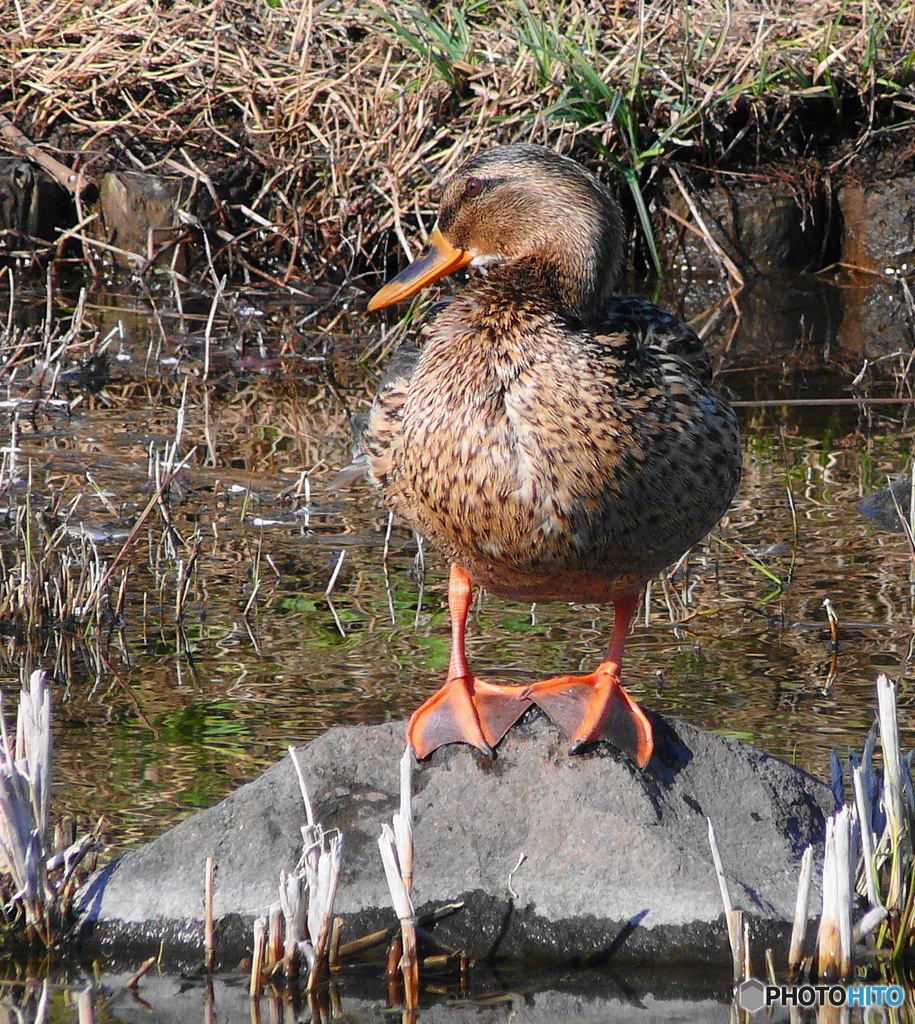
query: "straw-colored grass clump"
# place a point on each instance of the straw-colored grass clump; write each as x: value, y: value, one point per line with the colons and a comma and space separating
x: 312, y: 132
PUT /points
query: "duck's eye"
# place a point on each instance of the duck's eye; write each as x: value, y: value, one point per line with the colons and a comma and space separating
x: 472, y: 187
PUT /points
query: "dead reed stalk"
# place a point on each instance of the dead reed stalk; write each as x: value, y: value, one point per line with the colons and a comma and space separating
x: 37, y: 882
x: 864, y: 859
x: 396, y: 847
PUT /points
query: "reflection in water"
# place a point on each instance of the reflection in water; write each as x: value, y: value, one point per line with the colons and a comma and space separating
x: 700, y: 995
x: 227, y: 647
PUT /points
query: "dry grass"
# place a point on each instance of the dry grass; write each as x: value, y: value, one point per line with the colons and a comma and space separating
x: 63, y: 584
x: 312, y: 133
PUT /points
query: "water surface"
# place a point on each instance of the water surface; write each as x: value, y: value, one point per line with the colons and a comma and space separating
x: 228, y: 648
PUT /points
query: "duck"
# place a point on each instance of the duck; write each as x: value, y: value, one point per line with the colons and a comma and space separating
x: 553, y: 440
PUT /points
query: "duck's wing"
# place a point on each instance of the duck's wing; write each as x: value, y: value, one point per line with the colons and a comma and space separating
x: 657, y: 329
x: 396, y: 375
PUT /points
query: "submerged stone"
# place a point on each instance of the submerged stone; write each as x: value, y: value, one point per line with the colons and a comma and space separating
x: 583, y: 857
x: 890, y: 507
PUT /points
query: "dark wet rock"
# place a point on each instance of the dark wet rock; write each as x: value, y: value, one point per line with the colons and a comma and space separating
x: 879, y: 233
x: 878, y: 237
x: 774, y: 233
x: 883, y: 507
x: 876, y: 318
x: 32, y: 203
x: 615, y: 864
x: 137, y: 208
x: 763, y: 226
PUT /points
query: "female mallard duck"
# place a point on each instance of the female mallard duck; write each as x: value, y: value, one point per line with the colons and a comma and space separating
x: 553, y: 441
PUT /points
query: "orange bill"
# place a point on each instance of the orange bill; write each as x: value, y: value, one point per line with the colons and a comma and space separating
x: 440, y: 259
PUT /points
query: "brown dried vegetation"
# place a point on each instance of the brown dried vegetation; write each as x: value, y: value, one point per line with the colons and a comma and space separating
x: 311, y: 134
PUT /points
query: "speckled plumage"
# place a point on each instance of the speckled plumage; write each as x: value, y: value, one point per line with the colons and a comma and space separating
x: 553, y: 445
x: 554, y: 441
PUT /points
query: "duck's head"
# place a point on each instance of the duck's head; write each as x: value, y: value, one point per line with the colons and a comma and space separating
x: 524, y: 202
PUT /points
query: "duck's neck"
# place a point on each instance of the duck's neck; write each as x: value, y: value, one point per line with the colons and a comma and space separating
x: 576, y: 284
x: 579, y: 272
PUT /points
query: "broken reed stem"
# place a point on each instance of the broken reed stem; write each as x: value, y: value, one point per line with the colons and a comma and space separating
x: 257, y: 959
x: 85, y: 1007
x: 209, y: 1005
x: 336, y: 935
x: 403, y: 844
x: 41, y: 1010
x: 747, y: 951
x: 209, y: 923
x: 871, y: 921
x: 403, y: 821
x: 834, y: 948
x: 392, y: 970
x: 736, y: 927
x: 863, y: 810
x: 897, y: 833
x: 364, y: 942
x: 409, y: 964
x: 320, y: 922
x: 303, y: 789
x: 140, y: 973
x: 730, y: 922
x: 892, y: 760
x: 293, y: 909
x: 801, y: 905
x: 403, y: 907
x: 770, y: 967
x: 275, y: 935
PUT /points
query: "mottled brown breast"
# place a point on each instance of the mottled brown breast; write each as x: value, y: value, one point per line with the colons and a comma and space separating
x: 546, y: 459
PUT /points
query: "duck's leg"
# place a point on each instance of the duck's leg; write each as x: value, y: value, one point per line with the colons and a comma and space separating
x: 595, y: 706
x: 465, y: 709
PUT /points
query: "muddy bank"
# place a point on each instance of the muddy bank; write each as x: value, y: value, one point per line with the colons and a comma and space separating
x: 831, y: 267
x: 302, y: 146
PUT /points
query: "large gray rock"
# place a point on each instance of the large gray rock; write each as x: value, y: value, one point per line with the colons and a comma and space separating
x: 616, y: 861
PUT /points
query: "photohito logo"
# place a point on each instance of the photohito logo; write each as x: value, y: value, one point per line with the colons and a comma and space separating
x: 754, y: 995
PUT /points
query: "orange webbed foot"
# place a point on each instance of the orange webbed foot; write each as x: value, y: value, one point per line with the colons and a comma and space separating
x: 596, y: 707
x: 466, y: 710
